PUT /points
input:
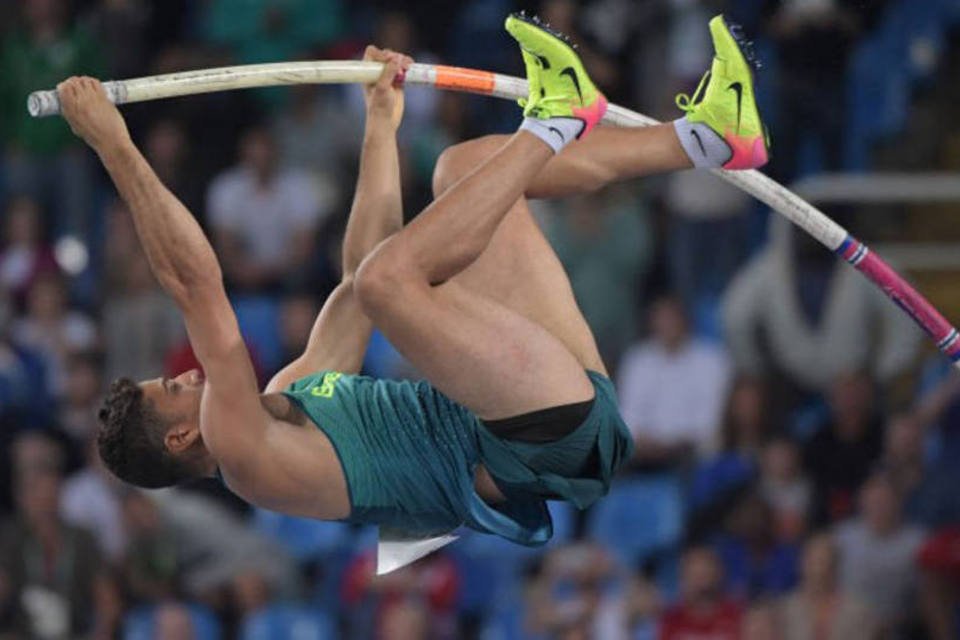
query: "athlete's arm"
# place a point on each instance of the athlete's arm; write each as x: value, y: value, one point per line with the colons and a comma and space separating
x: 341, y: 332
x: 184, y: 264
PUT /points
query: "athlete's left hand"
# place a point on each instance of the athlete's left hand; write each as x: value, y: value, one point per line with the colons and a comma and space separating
x: 384, y: 98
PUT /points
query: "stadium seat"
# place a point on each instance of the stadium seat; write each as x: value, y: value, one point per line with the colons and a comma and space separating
x: 287, y: 622
x: 306, y: 539
x: 259, y: 319
x: 640, y: 518
x: 140, y: 624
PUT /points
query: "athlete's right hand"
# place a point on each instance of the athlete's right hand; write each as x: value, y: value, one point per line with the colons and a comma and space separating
x: 384, y: 98
x: 91, y: 115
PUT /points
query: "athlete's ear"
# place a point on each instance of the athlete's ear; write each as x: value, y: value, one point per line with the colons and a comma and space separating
x: 181, y: 437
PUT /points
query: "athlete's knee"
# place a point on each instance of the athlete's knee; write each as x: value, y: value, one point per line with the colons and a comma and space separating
x: 382, y: 277
x: 460, y: 159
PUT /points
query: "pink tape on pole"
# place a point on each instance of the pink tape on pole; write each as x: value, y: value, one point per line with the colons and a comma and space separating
x: 903, y: 294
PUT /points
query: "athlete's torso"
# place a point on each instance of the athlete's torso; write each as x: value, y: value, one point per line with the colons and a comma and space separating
x: 301, y: 445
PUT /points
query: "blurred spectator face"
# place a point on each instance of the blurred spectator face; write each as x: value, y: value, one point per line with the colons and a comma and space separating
x: 752, y: 520
x: 165, y: 143
x: 258, y: 152
x: 880, y: 504
x: 38, y: 496
x: 744, y: 425
x: 47, y: 300
x: 851, y: 400
x: 761, y: 624
x: 819, y: 563
x: 32, y: 451
x: 140, y: 515
x: 560, y: 14
x: 22, y: 228
x: 84, y: 376
x: 297, y: 316
x: 904, y: 438
x: 668, y: 322
x: 250, y: 593
x: 173, y: 622
x: 405, y: 621
x: 700, y: 576
x: 781, y: 461
x: 44, y: 14
x: 396, y: 31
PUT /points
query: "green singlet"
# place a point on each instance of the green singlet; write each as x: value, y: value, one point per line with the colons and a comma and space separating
x: 409, y: 455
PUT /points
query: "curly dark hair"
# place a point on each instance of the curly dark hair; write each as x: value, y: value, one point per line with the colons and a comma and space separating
x: 131, y: 437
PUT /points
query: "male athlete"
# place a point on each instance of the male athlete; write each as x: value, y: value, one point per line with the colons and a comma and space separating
x: 518, y: 408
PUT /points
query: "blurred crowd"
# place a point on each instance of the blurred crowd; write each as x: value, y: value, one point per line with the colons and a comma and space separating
x: 797, y: 442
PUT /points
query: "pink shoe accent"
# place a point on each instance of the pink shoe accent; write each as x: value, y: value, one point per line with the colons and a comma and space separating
x: 748, y: 153
x: 592, y: 115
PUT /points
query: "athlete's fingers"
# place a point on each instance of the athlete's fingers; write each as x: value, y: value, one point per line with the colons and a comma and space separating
x: 390, y: 74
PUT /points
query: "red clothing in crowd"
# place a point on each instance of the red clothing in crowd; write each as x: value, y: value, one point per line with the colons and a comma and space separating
x: 683, y: 623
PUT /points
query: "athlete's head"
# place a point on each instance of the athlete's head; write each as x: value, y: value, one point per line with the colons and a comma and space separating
x: 150, y: 432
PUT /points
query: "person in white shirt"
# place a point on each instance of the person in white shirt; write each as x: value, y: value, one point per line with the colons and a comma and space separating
x: 264, y: 218
x: 672, y: 388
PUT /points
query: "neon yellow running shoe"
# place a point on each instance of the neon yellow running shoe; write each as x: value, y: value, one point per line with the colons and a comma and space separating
x: 559, y: 85
x: 728, y: 105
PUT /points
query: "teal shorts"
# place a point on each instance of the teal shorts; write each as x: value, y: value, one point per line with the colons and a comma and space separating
x: 577, y: 468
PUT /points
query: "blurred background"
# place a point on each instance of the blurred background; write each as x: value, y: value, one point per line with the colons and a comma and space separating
x: 798, y: 440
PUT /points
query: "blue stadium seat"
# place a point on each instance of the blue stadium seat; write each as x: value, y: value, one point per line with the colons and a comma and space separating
x: 306, y: 539
x: 640, y: 518
x: 287, y: 622
x: 259, y: 320
x: 140, y: 624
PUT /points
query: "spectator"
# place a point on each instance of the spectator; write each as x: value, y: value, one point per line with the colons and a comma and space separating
x: 91, y: 500
x: 703, y: 610
x: 841, y: 454
x: 120, y: 26
x: 152, y: 564
x: 271, y: 30
x: 49, y: 569
x: 672, y: 388
x: 167, y: 149
x: 815, y: 41
x: 604, y: 242
x: 569, y: 597
x: 708, y: 233
x: 433, y: 582
x: 746, y: 428
x: 877, y: 554
x: 317, y: 132
x: 786, y: 489
x: 24, y: 256
x: 264, y: 218
x: 755, y: 561
x: 298, y: 313
x: 53, y: 329
x: 42, y: 157
x: 820, y: 609
x: 140, y: 323
x: 796, y: 312
x: 939, y: 582
x: 84, y: 384
x: 172, y: 621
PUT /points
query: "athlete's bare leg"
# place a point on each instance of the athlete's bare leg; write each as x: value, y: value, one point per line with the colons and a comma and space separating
x: 519, y: 269
x: 488, y: 357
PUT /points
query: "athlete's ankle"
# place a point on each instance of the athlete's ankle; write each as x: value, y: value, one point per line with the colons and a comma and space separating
x: 704, y: 146
x: 557, y: 133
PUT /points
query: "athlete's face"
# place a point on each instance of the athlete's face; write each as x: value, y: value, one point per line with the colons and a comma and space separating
x: 177, y: 400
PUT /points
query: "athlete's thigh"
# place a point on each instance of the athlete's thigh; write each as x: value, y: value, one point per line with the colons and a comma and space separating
x: 482, y: 354
x: 520, y: 270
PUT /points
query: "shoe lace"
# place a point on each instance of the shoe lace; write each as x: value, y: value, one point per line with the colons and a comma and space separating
x: 688, y: 104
